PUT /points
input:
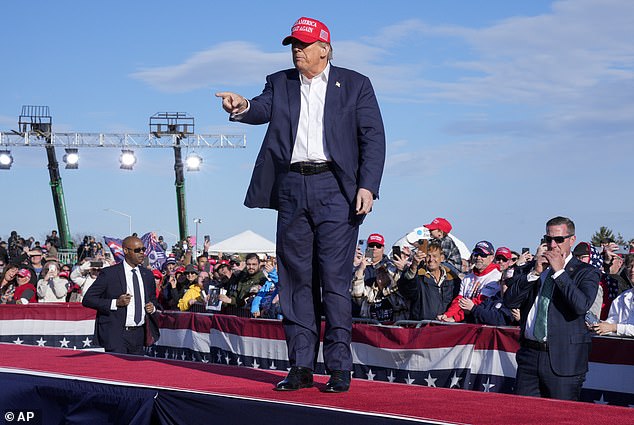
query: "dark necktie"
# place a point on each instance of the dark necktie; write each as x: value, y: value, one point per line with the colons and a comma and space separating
x: 138, y: 308
x: 541, y: 318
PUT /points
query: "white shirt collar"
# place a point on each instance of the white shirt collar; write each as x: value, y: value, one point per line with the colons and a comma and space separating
x: 323, y: 75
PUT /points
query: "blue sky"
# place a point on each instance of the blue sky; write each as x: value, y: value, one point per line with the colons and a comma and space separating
x: 498, y: 114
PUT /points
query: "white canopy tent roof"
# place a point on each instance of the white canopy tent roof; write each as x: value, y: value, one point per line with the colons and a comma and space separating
x: 244, y: 243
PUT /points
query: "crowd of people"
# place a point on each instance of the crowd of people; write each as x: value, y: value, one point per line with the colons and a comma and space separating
x: 424, y: 278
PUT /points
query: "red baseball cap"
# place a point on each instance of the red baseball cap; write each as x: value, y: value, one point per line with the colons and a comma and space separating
x: 24, y: 273
x: 504, y: 252
x: 439, y: 223
x: 308, y: 30
x: 376, y: 238
x: 157, y: 274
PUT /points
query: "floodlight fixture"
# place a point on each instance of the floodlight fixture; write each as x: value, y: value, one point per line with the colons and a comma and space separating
x: 71, y: 158
x: 6, y: 160
x: 127, y: 159
x: 193, y: 162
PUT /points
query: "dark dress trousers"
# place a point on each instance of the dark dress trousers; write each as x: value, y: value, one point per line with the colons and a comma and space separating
x: 317, y: 226
x: 110, y: 324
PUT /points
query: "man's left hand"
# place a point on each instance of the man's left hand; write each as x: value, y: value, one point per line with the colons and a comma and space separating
x: 364, y: 201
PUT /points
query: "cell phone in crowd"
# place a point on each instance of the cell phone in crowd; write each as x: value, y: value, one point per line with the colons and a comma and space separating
x: 525, y: 250
x: 423, y: 245
x: 361, y: 242
x: 96, y: 264
x: 369, y: 253
x: 396, y: 250
x: 207, y: 239
x: 591, y: 319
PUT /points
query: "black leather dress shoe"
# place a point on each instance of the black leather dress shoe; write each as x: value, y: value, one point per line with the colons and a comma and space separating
x: 339, y: 381
x: 298, y: 377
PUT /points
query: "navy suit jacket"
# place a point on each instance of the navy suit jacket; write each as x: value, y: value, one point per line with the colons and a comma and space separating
x: 574, y: 292
x: 109, y: 324
x: 353, y: 133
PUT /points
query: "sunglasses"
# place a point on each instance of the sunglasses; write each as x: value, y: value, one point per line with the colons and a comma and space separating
x: 557, y: 239
x: 502, y: 259
x: 375, y: 245
x: 137, y: 250
x: 480, y: 254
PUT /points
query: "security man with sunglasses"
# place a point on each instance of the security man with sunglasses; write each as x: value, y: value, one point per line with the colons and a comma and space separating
x: 125, y: 299
x: 553, y: 295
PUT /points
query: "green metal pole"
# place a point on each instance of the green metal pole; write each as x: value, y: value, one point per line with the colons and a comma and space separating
x: 180, y: 190
x: 58, y: 195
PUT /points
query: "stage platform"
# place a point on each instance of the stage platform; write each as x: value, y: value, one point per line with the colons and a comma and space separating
x: 84, y: 387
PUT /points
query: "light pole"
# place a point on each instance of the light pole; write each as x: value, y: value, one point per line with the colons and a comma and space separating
x: 197, y: 221
x: 123, y: 214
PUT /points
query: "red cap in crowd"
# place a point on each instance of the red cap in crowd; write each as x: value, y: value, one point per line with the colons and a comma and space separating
x: 64, y: 274
x: 376, y: 238
x: 157, y: 274
x: 24, y: 273
x: 504, y: 252
x: 439, y: 223
x: 308, y: 30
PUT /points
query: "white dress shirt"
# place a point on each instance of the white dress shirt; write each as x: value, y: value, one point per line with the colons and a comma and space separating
x: 129, y: 318
x: 309, y: 141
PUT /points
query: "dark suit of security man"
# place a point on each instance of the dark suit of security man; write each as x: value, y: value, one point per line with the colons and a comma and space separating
x: 320, y: 167
x: 126, y: 307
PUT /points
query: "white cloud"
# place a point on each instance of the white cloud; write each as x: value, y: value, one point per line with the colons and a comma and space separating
x: 226, y: 64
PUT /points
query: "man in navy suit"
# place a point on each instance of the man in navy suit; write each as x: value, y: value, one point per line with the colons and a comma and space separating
x: 124, y: 296
x: 320, y: 166
x: 553, y: 295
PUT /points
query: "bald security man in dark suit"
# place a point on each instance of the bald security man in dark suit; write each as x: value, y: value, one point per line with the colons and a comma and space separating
x: 124, y: 296
x: 320, y: 166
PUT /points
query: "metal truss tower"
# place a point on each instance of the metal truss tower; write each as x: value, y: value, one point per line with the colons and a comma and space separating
x: 167, y: 130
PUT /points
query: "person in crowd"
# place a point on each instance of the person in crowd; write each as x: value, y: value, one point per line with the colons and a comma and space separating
x: 158, y: 281
x: 25, y: 291
x: 202, y: 262
x: 35, y: 258
x: 194, y: 298
x: 266, y: 304
x: 53, y: 240
x: 482, y: 282
x: 381, y: 300
x: 426, y: 283
x: 162, y: 242
x: 553, y: 297
x: 8, y: 283
x: 376, y: 244
x: 51, y: 287
x: 125, y: 300
x: 4, y: 253
x: 84, y: 276
x: 320, y: 166
x: 492, y: 310
x: 177, y: 285
x: 439, y: 229
x: 243, y: 286
x: 620, y: 320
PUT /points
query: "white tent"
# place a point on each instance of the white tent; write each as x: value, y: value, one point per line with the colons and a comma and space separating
x: 244, y: 243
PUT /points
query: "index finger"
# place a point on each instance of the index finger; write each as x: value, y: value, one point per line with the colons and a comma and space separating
x: 223, y: 94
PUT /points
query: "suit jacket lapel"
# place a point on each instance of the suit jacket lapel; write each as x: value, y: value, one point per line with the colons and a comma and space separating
x: 294, y: 103
x: 122, y: 281
x: 332, y: 107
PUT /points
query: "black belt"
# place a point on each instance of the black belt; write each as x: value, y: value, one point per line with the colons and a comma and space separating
x: 309, y: 168
x: 132, y: 328
x: 539, y: 346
